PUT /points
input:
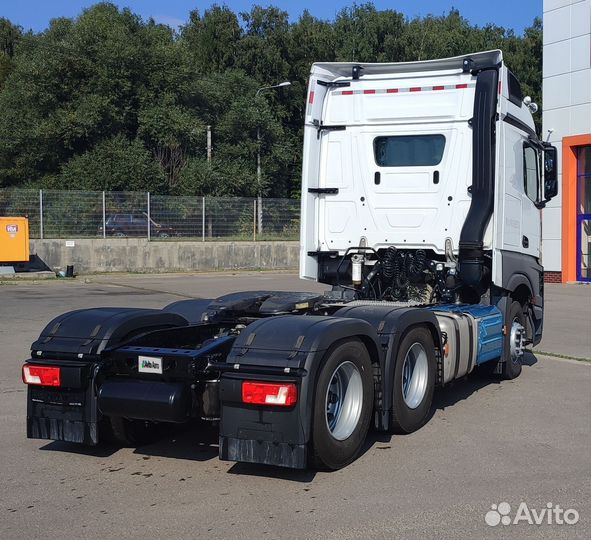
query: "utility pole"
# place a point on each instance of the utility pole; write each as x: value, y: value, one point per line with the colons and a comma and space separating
x: 210, y: 217
x: 259, y: 172
x: 259, y: 184
x: 209, y: 144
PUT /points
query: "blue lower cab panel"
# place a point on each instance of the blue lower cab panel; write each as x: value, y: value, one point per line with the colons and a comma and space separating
x: 490, y: 328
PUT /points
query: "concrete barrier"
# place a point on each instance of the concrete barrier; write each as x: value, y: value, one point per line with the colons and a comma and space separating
x: 138, y: 255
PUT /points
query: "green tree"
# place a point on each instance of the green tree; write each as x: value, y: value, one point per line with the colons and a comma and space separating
x: 264, y: 49
x: 10, y: 35
x: 365, y: 34
x: 524, y: 57
x: 212, y: 39
x: 116, y: 164
x: 110, y: 86
x: 78, y: 83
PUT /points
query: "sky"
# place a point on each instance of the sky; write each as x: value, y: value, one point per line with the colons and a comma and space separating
x: 516, y: 14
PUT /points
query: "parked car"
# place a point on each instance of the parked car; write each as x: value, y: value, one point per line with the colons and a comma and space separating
x: 135, y: 225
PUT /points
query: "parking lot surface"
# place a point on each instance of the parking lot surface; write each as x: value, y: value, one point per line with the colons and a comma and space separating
x: 488, y: 442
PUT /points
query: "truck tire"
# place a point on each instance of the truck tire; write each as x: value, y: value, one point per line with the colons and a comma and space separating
x: 514, y: 342
x: 343, y: 405
x: 414, y: 381
x: 131, y: 433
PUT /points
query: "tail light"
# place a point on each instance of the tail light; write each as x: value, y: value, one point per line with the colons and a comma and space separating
x: 41, y: 375
x: 263, y: 393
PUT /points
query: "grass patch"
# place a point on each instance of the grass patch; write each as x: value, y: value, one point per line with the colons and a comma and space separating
x: 557, y: 355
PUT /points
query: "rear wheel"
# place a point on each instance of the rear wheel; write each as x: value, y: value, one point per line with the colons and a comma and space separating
x: 130, y: 433
x: 514, y: 345
x: 414, y: 381
x: 343, y: 405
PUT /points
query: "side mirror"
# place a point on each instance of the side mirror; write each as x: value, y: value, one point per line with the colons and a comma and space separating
x: 550, y: 172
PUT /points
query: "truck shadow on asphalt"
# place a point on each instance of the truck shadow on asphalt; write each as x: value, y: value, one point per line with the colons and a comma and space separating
x: 477, y: 380
x: 194, y: 442
x: 449, y: 396
x: 199, y: 441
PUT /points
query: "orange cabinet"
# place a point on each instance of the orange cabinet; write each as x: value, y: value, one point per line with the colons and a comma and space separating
x: 14, y: 239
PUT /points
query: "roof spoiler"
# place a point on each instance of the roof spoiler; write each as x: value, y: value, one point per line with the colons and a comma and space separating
x: 470, y: 62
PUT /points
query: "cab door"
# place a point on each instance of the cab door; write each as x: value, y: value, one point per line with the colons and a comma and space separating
x: 341, y: 197
x: 530, y: 214
x: 517, y: 217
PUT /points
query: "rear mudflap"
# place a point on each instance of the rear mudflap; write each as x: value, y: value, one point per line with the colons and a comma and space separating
x: 281, y: 454
x: 68, y: 413
x: 259, y: 434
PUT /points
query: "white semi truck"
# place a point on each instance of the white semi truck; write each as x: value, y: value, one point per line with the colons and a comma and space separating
x: 422, y: 190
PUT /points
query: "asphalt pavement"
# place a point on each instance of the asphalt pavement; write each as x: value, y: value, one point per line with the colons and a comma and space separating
x: 487, y: 442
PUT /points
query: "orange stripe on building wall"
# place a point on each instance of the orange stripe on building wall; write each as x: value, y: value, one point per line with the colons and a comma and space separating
x: 569, y: 204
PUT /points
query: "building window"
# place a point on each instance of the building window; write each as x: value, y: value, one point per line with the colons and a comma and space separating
x: 584, y: 213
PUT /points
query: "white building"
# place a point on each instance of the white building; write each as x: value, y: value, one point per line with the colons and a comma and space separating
x: 567, y: 110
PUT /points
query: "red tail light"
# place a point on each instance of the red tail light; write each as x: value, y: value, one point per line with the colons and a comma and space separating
x: 263, y: 393
x: 41, y: 375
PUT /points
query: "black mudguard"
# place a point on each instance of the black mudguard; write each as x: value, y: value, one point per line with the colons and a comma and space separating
x: 287, y: 348
x: 192, y: 310
x: 79, y: 343
x: 89, y: 332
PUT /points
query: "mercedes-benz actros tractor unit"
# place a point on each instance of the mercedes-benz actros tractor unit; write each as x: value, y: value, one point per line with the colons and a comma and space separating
x: 422, y: 189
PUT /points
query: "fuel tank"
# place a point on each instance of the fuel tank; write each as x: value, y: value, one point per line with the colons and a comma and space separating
x: 473, y: 335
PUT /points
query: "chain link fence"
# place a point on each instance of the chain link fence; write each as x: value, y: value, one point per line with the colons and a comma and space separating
x: 91, y: 214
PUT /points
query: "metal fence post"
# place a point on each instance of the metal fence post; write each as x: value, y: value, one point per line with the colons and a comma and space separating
x: 41, y: 214
x: 203, y: 219
x: 104, y: 216
x: 254, y: 220
x: 149, y: 218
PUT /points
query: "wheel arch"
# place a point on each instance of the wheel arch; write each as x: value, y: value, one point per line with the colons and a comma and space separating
x: 520, y: 288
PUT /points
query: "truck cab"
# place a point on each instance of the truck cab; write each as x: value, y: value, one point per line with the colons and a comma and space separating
x: 438, y: 160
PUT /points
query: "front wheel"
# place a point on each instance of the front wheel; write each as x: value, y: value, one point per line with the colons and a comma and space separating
x: 514, y: 344
x: 414, y: 381
x: 343, y: 405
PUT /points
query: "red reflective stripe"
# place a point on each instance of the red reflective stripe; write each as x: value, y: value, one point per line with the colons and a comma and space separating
x: 392, y: 91
x: 415, y: 89
x: 500, y: 87
x: 347, y: 92
x: 439, y: 88
x: 461, y: 85
x: 369, y: 91
x: 311, y: 98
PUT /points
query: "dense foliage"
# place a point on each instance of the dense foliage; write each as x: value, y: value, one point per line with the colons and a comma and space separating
x: 109, y: 101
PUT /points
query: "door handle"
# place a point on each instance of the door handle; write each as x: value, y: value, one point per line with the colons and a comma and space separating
x: 525, y: 242
x: 377, y: 178
x: 436, y: 177
x: 324, y: 191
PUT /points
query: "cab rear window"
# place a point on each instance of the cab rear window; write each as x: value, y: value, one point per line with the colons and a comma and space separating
x: 408, y: 150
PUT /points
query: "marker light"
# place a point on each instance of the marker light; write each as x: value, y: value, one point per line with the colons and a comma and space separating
x: 41, y: 375
x: 262, y: 393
